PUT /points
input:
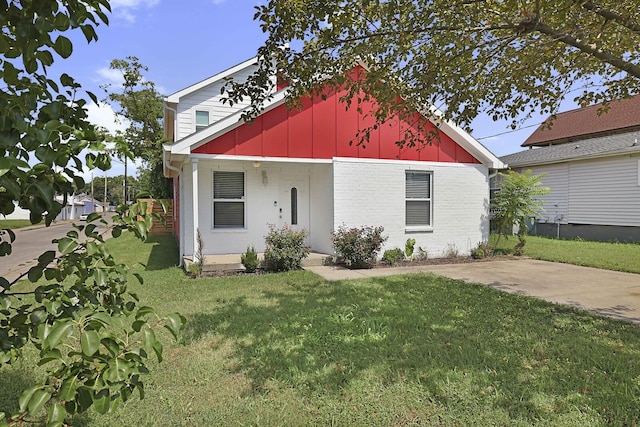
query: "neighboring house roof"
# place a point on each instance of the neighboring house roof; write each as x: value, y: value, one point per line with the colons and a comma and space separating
x: 582, y: 123
x: 585, y: 149
x: 190, y: 143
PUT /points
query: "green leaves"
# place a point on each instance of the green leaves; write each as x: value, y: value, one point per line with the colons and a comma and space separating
x: 33, y: 399
x: 66, y: 245
x: 63, y: 46
x: 58, y: 332
x: 90, y: 342
x: 81, y: 319
x: 448, y: 54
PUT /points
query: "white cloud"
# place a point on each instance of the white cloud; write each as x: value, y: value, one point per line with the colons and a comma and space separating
x: 111, y: 76
x: 104, y: 116
x: 126, y: 9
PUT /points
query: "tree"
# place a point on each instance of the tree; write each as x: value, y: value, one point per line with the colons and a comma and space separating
x: 115, y: 193
x: 140, y: 104
x: 90, y: 332
x: 504, y: 58
x: 516, y: 203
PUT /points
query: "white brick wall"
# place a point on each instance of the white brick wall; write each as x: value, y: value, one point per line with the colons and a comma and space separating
x: 362, y: 192
x: 373, y: 193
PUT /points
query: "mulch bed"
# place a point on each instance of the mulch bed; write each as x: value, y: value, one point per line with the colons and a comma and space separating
x: 428, y: 261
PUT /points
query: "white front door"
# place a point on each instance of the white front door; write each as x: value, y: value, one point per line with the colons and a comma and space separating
x: 294, y: 202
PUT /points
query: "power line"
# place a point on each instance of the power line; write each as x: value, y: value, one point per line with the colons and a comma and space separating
x: 509, y: 131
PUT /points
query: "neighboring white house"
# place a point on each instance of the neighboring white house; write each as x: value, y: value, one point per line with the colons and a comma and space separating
x: 77, y: 205
x: 591, y: 163
x: 296, y: 167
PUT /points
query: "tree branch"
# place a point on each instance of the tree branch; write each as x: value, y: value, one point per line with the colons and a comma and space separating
x: 610, y: 15
x: 590, y: 49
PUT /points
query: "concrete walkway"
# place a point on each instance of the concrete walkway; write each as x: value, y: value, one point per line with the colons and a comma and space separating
x: 605, y: 292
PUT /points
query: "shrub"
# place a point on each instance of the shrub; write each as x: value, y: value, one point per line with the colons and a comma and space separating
x: 250, y: 260
x: 451, y: 251
x: 285, y: 249
x: 393, y: 256
x: 481, y: 250
x: 422, y: 254
x: 409, y: 248
x: 358, y: 246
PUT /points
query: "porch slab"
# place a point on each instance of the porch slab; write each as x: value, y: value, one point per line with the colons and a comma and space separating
x: 229, y: 262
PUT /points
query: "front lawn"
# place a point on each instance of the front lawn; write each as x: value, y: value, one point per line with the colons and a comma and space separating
x: 14, y: 223
x: 292, y: 349
x: 610, y: 256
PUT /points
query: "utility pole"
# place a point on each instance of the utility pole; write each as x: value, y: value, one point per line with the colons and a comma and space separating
x: 104, y: 201
x: 93, y: 205
x: 124, y: 190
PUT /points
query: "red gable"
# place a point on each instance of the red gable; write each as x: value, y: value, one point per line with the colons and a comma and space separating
x: 322, y: 129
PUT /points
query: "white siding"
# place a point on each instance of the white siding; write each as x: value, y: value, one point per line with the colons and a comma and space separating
x: 556, y: 203
x: 262, y: 204
x: 605, y: 191
x: 321, y: 208
x: 373, y: 193
x: 207, y: 99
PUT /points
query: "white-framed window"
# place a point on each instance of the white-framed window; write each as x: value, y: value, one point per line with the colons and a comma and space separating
x: 228, y: 200
x: 418, y: 202
x: 202, y: 120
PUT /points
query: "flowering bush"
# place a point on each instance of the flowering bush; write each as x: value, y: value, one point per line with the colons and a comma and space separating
x: 285, y: 249
x: 358, y: 247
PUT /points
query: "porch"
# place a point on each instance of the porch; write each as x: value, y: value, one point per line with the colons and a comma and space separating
x: 230, y: 262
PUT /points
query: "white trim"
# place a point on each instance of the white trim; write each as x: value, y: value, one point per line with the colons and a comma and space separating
x: 421, y: 227
x: 245, y: 214
x: 259, y: 158
x: 195, y: 119
x: 175, y: 97
x: 194, y: 195
x: 418, y: 165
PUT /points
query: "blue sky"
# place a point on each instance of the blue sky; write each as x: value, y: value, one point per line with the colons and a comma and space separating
x: 183, y: 42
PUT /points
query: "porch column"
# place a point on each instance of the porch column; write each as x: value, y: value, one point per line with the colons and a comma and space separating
x: 194, y: 196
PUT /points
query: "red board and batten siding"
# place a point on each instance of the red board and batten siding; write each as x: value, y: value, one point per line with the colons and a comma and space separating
x: 322, y: 129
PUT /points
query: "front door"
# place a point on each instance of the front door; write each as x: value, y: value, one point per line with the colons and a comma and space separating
x: 294, y: 202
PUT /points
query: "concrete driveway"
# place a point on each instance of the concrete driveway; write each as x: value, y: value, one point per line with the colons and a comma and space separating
x: 605, y: 292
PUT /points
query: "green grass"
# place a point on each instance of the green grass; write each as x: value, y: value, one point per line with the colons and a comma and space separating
x: 610, y: 256
x: 14, y: 223
x: 292, y: 349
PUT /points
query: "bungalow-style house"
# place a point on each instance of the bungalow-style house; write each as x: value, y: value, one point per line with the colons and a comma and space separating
x: 296, y: 167
x: 591, y: 161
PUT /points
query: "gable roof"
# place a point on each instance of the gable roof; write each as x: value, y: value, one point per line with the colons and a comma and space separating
x: 190, y: 143
x: 582, y: 123
x: 585, y: 149
x: 175, y: 97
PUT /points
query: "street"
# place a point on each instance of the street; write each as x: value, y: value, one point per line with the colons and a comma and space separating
x: 30, y: 243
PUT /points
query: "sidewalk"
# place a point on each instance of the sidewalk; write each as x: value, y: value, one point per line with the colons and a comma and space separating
x: 608, y: 293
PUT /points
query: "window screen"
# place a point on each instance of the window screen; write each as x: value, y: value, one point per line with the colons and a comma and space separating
x: 418, y: 199
x: 202, y: 120
x: 228, y: 200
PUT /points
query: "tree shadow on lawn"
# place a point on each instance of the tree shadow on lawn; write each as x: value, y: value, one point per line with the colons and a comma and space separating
x: 461, y: 345
x: 164, y: 252
x: 13, y: 381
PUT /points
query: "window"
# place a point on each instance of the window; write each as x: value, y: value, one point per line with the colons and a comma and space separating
x: 418, y: 200
x: 202, y: 120
x: 228, y: 200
